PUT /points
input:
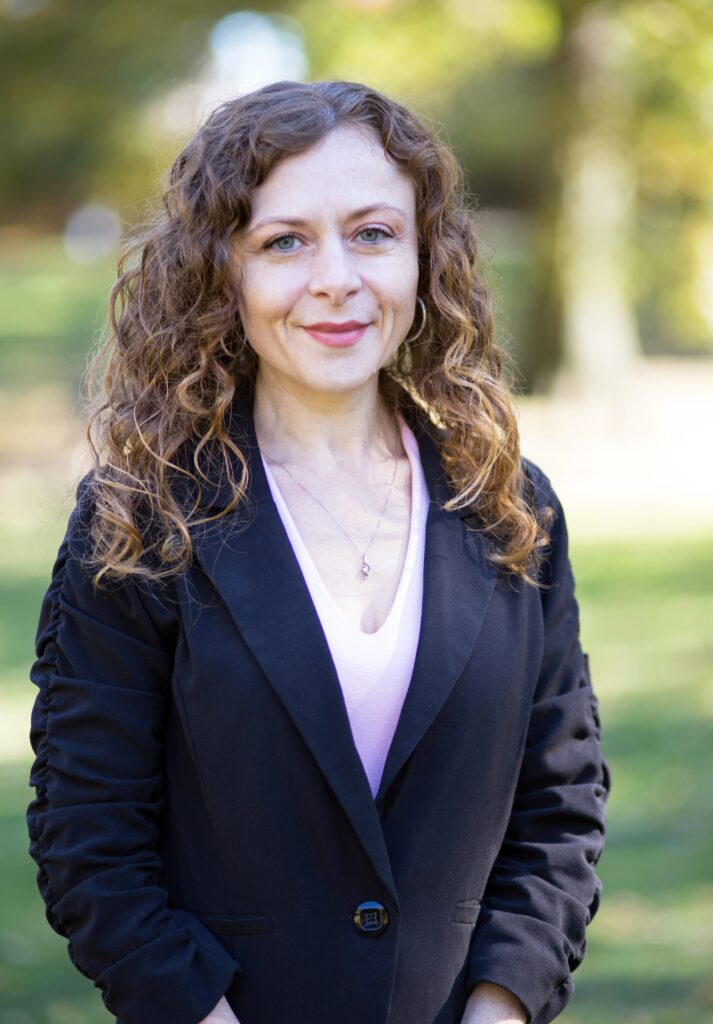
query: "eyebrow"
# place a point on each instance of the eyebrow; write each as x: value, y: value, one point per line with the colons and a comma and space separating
x: 300, y: 222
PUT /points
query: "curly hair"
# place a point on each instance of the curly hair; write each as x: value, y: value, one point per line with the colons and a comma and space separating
x: 177, y: 352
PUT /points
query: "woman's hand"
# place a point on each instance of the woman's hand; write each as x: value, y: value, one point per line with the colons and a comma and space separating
x: 221, y: 1014
x: 491, y: 1004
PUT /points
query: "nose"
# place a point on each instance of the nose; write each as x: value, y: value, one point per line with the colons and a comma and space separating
x: 333, y: 270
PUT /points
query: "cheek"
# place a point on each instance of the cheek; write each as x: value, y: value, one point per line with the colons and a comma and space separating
x: 264, y: 299
x: 397, y: 281
x: 401, y: 297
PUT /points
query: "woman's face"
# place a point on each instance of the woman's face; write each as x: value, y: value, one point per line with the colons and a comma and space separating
x: 332, y: 238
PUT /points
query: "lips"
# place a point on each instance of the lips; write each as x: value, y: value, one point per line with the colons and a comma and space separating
x: 337, y: 335
x: 330, y: 327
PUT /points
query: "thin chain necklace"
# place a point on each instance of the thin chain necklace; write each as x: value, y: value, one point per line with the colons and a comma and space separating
x: 365, y: 567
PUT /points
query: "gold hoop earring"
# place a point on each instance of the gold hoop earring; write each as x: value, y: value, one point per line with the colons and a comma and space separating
x: 423, y: 321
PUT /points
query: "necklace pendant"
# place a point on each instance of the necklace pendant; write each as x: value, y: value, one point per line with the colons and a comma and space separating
x: 365, y: 567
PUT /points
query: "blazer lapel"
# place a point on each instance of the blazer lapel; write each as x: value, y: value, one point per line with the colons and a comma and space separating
x: 278, y: 621
x: 458, y: 584
x: 258, y: 576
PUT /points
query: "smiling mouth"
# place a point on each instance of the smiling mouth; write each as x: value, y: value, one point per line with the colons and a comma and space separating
x: 328, y: 326
x: 337, y: 336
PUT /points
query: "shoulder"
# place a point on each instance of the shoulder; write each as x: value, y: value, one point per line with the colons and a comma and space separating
x: 537, y: 485
x: 134, y: 598
x: 555, y: 569
x: 92, y: 499
x: 538, y: 489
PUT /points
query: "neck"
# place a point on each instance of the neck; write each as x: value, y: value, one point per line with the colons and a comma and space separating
x: 326, y: 431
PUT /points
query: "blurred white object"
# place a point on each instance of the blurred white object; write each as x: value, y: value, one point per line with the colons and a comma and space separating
x: 91, y: 233
x: 246, y: 50
x: 251, y: 50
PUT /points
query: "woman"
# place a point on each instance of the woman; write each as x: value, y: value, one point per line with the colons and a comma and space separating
x: 316, y: 738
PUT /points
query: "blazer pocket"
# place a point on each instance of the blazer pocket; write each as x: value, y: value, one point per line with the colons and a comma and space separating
x: 466, y: 911
x: 248, y: 923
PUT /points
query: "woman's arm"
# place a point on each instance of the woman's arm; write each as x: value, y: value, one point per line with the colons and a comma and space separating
x: 103, y: 670
x: 543, y: 890
x: 491, y: 1004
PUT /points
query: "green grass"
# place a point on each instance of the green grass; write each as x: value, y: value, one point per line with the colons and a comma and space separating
x: 52, y: 309
x: 645, y: 609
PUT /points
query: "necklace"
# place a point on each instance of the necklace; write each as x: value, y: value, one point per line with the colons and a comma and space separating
x: 365, y: 567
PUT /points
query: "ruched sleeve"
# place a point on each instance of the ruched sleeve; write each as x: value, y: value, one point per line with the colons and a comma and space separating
x: 543, y: 890
x: 103, y: 669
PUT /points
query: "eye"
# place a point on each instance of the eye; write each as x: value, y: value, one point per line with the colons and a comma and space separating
x: 275, y: 243
x: 381, y: 231
x: 281, y: 238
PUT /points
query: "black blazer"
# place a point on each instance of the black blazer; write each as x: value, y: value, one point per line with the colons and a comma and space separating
x: 203, y: 824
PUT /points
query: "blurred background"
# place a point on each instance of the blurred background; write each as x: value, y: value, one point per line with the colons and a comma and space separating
x: 586, y: 132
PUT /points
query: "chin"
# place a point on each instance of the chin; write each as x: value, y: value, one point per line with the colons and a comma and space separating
x: 343, y: 385
x: 350, y: 379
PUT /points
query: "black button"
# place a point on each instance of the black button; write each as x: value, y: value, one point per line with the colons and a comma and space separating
x: 371, y: 918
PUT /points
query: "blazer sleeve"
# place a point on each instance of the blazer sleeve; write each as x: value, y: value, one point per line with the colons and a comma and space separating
x: 543, y: 891
x: 103, y: 667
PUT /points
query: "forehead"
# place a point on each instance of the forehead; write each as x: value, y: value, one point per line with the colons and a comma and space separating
x: 347, y: 168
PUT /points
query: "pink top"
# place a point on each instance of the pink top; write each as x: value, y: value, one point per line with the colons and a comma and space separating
x: 374, y: 669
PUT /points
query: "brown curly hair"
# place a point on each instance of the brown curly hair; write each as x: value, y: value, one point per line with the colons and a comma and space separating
x: 176, y: 350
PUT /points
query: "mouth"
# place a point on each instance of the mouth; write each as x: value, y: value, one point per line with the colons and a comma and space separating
x: 337, y: 335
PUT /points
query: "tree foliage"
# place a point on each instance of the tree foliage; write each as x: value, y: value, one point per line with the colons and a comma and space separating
x: 516, y: 86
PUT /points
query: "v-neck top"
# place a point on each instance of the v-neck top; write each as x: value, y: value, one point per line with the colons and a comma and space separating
x: 374, y: 669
